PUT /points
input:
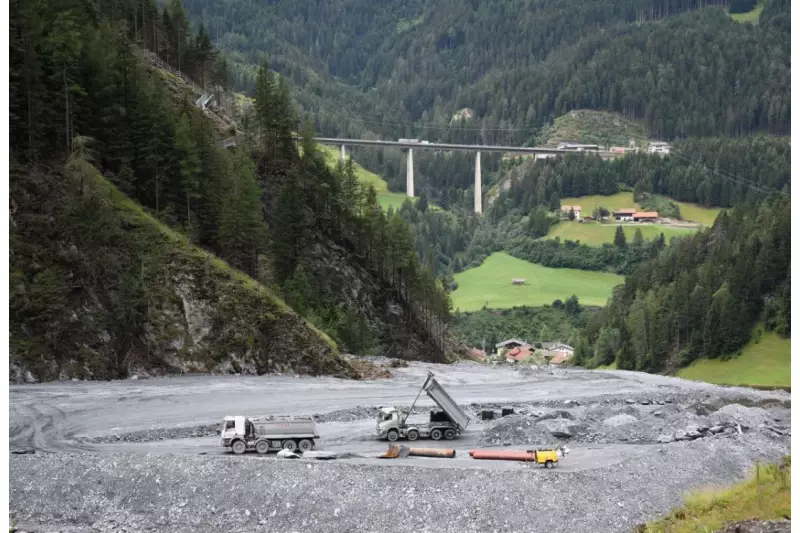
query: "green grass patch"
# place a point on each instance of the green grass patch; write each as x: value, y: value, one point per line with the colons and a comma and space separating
x: 386, y: 198
x: 764, y: 362
x: 364, y: 176
x: 588, y: 204
x: 490, y: 284
x: 593, y: 127
x: 621, y: 200
x: 751, y: 16
x: 766, y: 495
x: 698, y: 213
x: 393, y: 200
x: 404, y: 25
x: 597, y: 233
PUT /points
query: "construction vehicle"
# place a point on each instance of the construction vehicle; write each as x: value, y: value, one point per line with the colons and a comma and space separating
x: 265, y: 434
x: 451, y: 421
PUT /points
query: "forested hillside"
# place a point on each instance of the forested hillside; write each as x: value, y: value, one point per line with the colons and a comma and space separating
x: 100, y: 283
x: 702, y: 296
x: 406, y: 69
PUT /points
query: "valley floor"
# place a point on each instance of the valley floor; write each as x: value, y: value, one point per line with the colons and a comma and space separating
x: 143, y: 455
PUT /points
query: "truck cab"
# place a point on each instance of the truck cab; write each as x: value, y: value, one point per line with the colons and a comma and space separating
x: 388, y: 419
x: 233, y: 427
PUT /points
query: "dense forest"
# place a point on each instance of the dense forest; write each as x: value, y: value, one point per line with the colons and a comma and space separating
x: 517, y: 64
x: 80, y: 95
x: 406, y: 69
x: 700, y: 297
x: 714, y: 172
x: 556, y: 323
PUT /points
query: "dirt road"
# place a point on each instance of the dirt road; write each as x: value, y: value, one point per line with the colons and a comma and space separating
x: 622, y: 429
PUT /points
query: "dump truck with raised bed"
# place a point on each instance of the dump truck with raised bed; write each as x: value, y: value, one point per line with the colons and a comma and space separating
x: 451, y: 421
x: 265, y: 434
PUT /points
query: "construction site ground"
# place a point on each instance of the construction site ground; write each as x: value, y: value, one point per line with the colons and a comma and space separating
x: 143, y: 455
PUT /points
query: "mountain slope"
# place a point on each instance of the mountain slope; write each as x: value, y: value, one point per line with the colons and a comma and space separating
x: 100, y: 289
x: 374, y: 66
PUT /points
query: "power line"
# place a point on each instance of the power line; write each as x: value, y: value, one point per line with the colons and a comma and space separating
x: 733, y: 178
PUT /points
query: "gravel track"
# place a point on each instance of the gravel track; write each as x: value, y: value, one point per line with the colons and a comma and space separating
x: 143, y: 455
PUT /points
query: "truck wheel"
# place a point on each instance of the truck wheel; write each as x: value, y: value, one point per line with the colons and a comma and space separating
x: 305, y: 445
x: 548, y: 464
x: 413, y: 434
x: 449, y: 434
x: 262, y: 447
x: 393, y: 435
x: 290, y: 445
x: 436, y: 434
x: 239, y: 447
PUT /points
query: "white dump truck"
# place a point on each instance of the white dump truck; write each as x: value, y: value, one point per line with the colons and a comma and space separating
x: 264, y: 434
x: 393, y: 422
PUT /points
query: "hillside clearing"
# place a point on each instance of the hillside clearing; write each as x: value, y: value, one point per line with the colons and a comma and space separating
x: 597, y: 234
x: 750, y: 16
x: 698, y: 213
x: 764, y: 363
x: 596, y: 127
x: 765, y: 496
x: 386, y: 198
x: 689, y: 212
x: 588, y: 204
x: 490, y: 284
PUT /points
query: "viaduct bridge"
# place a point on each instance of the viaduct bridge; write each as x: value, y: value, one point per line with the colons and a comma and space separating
x: 414, y: 144
x: 207, y: 97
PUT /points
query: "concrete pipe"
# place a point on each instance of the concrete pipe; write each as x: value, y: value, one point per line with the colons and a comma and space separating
x: 508, y: 455
x: 432, y: 452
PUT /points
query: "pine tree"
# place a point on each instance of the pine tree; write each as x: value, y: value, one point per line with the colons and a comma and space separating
x: 620, y: 241
x: 638, y: 239
x: 188, y: 164
x: 242, y: 231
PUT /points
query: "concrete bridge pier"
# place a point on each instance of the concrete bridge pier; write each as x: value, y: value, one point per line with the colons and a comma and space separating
x: 344, y: 154
x: 410, y: 173
x: 478, y: 191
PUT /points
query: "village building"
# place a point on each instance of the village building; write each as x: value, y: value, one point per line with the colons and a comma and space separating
x: 566, y: 209
x: 624, y: 214
x: 645, y: 216
x: 658, y: 147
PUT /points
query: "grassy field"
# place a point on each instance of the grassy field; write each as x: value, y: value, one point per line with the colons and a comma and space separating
x: 385, y: 197
x: 764, y: 363
x: 621, y: 200
x: 697, y: 213
x: 596, y: 234
x: 750, y: 16
x: 491, y: 283
x: 588, y: 204
x: 766, y: 495
x: 597, y: 127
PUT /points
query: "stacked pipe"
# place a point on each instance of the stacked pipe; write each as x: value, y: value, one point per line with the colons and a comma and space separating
x: 508, y: 455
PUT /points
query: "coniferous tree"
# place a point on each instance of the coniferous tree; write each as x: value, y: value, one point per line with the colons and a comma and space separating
x: 620, y: 241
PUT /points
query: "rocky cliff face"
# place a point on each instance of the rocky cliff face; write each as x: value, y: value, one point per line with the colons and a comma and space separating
x: 353, y: 287
x: 100, y: 289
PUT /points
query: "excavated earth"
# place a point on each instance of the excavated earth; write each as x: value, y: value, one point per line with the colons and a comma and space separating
x: 144, y: 455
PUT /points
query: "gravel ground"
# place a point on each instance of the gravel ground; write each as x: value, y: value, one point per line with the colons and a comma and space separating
x: 142, y: 455
x: 634, y: 423
x: 131, y: 492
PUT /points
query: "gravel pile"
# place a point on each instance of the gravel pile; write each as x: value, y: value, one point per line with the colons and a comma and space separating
x: 158, y: 434
x: 185, y: 493
x: 641, y: 424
